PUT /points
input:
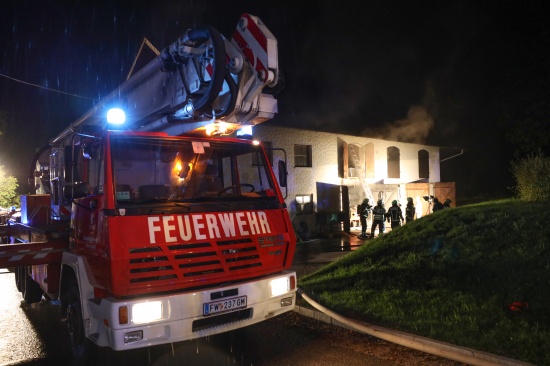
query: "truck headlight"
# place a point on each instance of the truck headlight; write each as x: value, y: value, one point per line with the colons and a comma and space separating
x: 279, y: 286
x: 147, y: 312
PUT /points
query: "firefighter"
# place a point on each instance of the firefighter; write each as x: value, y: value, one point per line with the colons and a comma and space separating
x: 364, y: 211
x: 378, y: 219
x: 437, y: 205
x: 395, y: 215
x: 410, y: 210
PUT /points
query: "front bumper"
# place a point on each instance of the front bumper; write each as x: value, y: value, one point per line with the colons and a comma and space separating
x: 182, y: 315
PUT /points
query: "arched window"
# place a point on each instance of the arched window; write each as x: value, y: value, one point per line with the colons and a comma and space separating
x: 423, y: 164
x: 394, y: 169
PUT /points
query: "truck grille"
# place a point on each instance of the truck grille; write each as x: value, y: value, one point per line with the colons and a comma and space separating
x: 209, y: 260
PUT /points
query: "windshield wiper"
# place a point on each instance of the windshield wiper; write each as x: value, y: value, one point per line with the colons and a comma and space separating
x: 153, y: 200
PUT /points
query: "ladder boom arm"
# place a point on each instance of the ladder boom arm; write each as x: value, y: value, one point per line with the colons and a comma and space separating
x: 200, y: 78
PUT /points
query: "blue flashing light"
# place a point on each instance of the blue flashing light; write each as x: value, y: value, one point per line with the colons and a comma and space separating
x: 245, y: 132
x: 116, y: 116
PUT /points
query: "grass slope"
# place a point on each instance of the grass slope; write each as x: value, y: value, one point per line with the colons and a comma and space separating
x: 451, y: 276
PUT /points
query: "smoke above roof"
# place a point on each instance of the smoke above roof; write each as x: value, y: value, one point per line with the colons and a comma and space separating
x: 414, y: 128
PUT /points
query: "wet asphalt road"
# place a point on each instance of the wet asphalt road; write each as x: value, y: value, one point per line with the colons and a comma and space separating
x: 33, y: 335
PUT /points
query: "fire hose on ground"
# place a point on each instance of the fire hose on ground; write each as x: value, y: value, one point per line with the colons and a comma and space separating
x: 446, y: 350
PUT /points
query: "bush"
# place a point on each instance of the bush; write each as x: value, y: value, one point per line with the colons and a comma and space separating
x: 8, y: 190
x: 532, y: 176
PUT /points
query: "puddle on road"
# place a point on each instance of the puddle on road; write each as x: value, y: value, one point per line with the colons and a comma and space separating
x: 325, y: 249
x: 19, y: 339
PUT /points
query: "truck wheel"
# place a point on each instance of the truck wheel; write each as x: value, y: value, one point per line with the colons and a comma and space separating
x: 81, y: 347
x: 32, y: 292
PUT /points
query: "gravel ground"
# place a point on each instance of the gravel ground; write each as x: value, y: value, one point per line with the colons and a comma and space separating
x: 345, y: 341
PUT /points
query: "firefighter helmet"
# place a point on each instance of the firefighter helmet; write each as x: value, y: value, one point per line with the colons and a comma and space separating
x: 380, y: 202
x: 409, y: 199
x: 394, y: 203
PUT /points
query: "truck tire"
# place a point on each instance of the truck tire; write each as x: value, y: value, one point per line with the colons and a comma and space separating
x: 32, y: 292
x: 81, y: 347
x: 19, y: 273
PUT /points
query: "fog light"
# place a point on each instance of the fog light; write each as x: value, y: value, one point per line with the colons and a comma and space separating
x: 286, y: 301
x: 279, y: 286
x: 133, y: 336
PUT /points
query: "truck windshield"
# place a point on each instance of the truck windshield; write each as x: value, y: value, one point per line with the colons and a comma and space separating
x: 147, y: 169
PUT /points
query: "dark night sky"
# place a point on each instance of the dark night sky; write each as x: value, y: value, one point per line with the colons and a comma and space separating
x: 418, y: 71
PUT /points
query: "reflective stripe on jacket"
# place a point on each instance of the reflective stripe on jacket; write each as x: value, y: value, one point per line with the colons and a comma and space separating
x: 379, y: 213
x: 395, y: 213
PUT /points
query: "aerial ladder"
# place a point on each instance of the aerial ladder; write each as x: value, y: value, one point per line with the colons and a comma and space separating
x: 361, y: 174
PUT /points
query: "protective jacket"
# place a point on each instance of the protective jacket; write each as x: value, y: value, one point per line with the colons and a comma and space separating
x: 437, y: 205
x: 395, y: 215
x: 378, y: 220
x: 364, y: 209
x: 410, y: 211
x: 378, y: 213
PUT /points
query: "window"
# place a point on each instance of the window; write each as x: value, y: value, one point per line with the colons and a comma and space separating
x: 95, y: 168
x: 355, y: 165
x: 393, y: 162
x: 302, y: 155
x: 355, y: 161
x: 304, y: 204
x: 423, y: 164
x: 268, y: 151
x: 152, y: 170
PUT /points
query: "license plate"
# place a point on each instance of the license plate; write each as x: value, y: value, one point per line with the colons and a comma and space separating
x: 221, y: 306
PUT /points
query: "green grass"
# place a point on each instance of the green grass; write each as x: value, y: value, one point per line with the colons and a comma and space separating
x: 450, y: 276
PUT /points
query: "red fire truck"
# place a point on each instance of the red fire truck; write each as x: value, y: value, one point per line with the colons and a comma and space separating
x: 168, y: 226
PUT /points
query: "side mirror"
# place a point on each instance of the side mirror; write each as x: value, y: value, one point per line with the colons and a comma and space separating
x: 281, y: 167
x: 72, y: 169
x: 89, y: 151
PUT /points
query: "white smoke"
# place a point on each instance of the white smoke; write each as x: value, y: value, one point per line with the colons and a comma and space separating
x: 415, y: 128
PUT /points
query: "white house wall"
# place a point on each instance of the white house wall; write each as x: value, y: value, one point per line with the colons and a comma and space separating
x: 302, y: 180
